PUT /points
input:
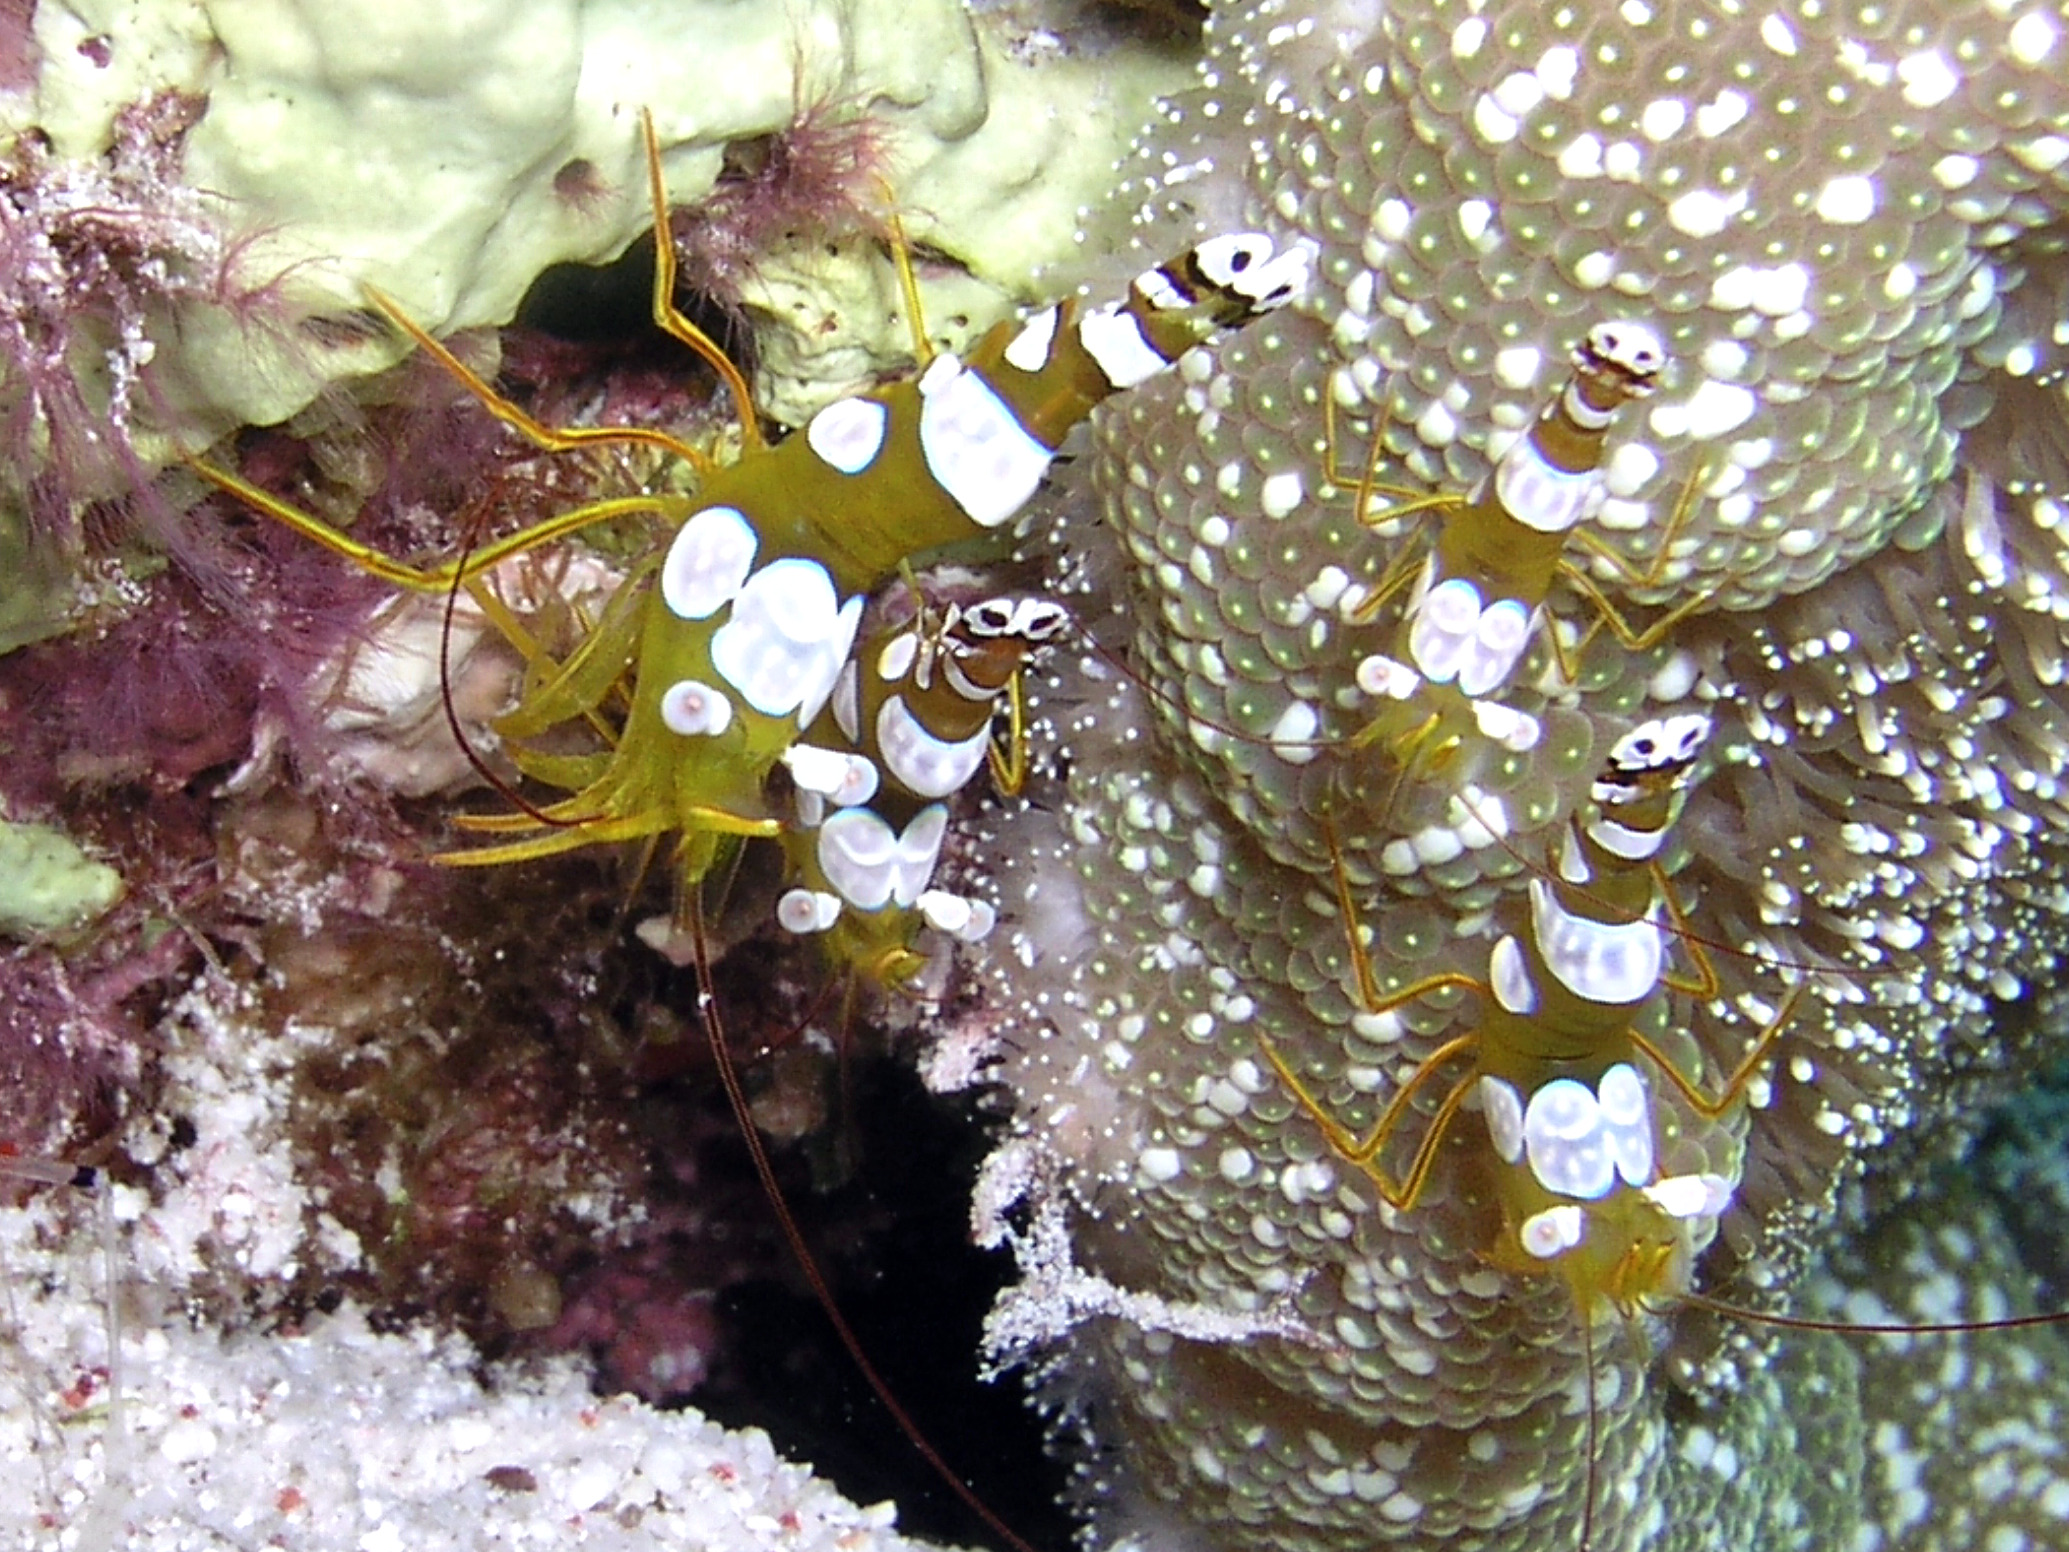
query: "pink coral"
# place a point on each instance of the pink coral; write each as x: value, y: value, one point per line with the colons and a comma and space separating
x: 818, y: 176
x: 91, y: 256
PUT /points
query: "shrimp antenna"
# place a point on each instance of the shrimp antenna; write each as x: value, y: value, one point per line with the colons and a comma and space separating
x: 1871, y: 1327
x: 452, y: 714
x: 736, y: 1096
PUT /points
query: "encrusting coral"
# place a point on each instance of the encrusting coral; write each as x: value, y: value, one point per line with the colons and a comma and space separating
x: 1844, y: 222
x: 1844, y: 226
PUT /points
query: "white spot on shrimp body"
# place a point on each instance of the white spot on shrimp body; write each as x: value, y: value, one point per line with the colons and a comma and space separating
x: 1690, y: 1196
x: 1623, y: 841
x: 924, y: 765
x: 896, y: 659
x: 842, y: 777
x: 1538, y: 494
x: 1606, y: 963
x: 1455, y: 636
x: 807, y: 910
x: 1514, y: 991
x: 1158, y: 290
x: 692, y: 708
x: 873, y: 866
x: 848, y: 434
x: 1580, y: 1141
x: 957, y: 915
x: 983, y: 917
x: 1552, y: 1232
x: 1507, y: 727
x: 1383, y: 678
x: 1504, y: 1110
x: 1246, y: 264
x: 975, y: 446
x: 847, y: 701
x: 1113, y: 337
x: 1029, y: 349
x: 708, y: 562
x: 783, y: 646
x: 1660, y: 742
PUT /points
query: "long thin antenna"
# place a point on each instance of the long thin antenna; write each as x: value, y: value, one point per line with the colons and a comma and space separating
x: 736, y: 1096
x: 1874, y: 1327
x: 1587, y: 1507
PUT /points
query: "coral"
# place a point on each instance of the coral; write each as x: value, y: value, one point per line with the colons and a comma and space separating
x: 1845, y: 225
x: 94, y: 255
x: 513, y: 148
x: 332, y: 1435
x: 52, y: 885
x: 97, y: 259
x: 1921, y: 1443
x: 812, y: 180
x: 190, y: 206
x: 75, y: 1027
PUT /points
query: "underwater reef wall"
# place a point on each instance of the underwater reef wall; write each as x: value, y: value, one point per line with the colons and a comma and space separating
x: 332, y: 1132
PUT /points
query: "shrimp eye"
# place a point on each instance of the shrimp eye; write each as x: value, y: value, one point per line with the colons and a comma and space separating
x: 992, y: 617
x: 1662, y: 744
x: 1631, y: 350
x: 1039, y: 620
x: 1222, y: 259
